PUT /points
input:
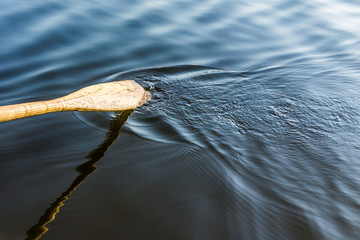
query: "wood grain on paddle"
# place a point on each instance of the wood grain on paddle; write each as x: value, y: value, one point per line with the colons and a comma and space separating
x: 112, y: 96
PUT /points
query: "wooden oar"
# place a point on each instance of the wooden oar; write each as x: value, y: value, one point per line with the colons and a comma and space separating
x: 112, y: 96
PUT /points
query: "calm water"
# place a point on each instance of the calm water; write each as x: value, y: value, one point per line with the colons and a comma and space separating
x: 253, y: 131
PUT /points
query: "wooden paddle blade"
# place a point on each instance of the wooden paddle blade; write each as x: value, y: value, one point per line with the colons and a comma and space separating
x: 112, y: 96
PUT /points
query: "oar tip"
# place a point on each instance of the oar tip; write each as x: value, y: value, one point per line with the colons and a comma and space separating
x: 131, y: 93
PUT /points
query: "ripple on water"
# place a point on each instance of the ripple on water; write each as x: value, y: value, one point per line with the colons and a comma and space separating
x: 271, y: 146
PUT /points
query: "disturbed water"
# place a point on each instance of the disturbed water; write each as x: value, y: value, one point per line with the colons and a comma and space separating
x: 252, y: 132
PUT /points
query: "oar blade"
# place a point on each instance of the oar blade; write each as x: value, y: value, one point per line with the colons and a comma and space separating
x: 112, y: 96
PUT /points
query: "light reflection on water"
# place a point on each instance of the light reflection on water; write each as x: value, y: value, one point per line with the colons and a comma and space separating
x: 252, y: 132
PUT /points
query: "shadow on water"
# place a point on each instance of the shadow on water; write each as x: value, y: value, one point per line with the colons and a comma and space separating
x: 85, y: 169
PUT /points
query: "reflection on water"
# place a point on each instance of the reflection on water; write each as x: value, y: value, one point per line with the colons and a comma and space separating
x: 84, y: 170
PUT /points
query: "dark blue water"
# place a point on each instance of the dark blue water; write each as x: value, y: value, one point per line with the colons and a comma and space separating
x: 253, y: 131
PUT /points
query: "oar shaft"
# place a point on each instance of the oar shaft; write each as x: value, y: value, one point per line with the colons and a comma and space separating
x: 16, y: 111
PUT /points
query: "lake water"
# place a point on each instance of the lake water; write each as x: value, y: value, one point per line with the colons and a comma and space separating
x: 253, y: 131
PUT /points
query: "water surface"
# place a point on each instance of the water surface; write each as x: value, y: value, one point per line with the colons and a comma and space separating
x: 252, y: 132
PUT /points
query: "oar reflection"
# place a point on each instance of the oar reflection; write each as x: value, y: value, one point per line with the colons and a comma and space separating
x: 84, y: 170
